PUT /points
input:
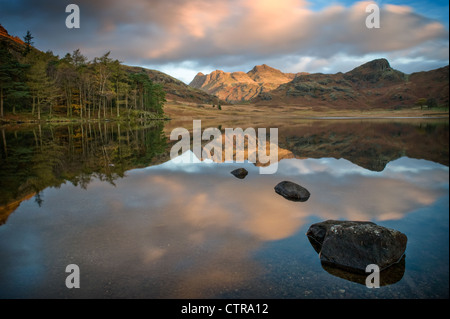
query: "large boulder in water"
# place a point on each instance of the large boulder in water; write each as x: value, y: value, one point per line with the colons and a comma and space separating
x: 353, y: 245
x: 292, y: 191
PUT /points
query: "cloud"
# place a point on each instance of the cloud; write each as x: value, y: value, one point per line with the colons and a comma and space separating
x: 226, y: 34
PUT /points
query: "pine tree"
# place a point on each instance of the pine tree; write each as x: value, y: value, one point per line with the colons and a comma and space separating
x: 39, y: 83
x: 12, y: 84
x: 28, y: 43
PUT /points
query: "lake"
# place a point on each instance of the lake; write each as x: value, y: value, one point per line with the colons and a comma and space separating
x: 138, y: 224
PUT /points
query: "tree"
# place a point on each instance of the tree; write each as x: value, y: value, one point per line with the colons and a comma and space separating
x: 41, y: 87
x: 12, y: 84
x: 421, y: 102
x: 103, y: 71
x: 119, y: 82
x: 150, y: 95
x: 27, y: 39
x: 79, y: 63
x: 157, y: 97
x: 66, y: 80
x: 432, y: 103
x: 5, y: 76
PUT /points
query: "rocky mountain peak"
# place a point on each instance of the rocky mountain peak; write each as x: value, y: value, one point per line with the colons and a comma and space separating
x: 378, y: 65
x: 263, y: 69
x: 241, y: 86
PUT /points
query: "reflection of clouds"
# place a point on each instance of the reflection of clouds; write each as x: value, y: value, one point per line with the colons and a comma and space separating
x: 204, y: 203
x: 341, y: 189
x: 402, y: 167
x: 169, y: 232
x: 362, y: 198
x: 151, y: 254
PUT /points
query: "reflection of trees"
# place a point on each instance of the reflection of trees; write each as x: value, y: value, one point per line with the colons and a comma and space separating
x: 36, y: 158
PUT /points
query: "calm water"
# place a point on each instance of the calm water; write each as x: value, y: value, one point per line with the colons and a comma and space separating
x: 109, y: 199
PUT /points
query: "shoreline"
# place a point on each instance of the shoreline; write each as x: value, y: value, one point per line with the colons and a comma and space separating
x: 374, y: 117
x: 178, y: 111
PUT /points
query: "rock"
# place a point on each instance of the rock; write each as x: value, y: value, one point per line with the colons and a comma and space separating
x: 240, y: 173
x: 352, y: 245
x: 292, y: 191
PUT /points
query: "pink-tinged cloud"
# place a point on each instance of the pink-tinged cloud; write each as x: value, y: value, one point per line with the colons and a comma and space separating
x: 236, y: 33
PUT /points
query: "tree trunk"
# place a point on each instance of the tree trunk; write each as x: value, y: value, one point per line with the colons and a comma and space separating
x: 40, y: 136
x: 81, y: 102
x: 117, y: 105
x: 104, y: 109
x: 1, y: 102
x: 99, y: 107
x: 33, y: 106
x: 126, y: 103
x: 4, y: 143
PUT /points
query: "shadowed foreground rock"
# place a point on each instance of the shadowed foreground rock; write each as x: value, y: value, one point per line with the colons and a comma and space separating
x: 240, y: 173
x: 352, y: 245
x: 292, y: 191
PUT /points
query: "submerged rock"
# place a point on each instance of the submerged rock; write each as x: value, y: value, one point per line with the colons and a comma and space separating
x: 292, y: 191
x: 240, y: 173
x: 352, y: 245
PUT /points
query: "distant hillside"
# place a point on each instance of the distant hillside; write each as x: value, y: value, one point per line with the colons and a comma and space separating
x: 5, y: 34
x: 175, y: 89
x: 240, y: 86
x: 372, y: 85
x: 14, y: 43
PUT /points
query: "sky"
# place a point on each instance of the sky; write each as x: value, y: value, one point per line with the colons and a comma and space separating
x: 184, y: 37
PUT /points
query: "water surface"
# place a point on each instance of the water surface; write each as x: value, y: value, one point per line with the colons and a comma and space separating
x: 109, y: 199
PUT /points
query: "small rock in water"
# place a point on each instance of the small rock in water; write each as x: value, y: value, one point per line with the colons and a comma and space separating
x: 292, y: 191
x: 240, y: 173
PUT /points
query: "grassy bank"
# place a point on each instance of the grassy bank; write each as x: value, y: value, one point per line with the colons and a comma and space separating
x: 186, y: 111
x: 28, y: 118
x: 237, y: 112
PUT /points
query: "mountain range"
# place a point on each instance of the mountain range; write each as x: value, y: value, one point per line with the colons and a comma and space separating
x: 374, y: 84
x: 240, y: 86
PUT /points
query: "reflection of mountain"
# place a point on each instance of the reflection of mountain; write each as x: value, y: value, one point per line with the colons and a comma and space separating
x: 38, y: 157
x: 369, y: 144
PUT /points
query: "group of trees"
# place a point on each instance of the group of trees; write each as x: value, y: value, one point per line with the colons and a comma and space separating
x: 42, y: 83
x: 429, y: 103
